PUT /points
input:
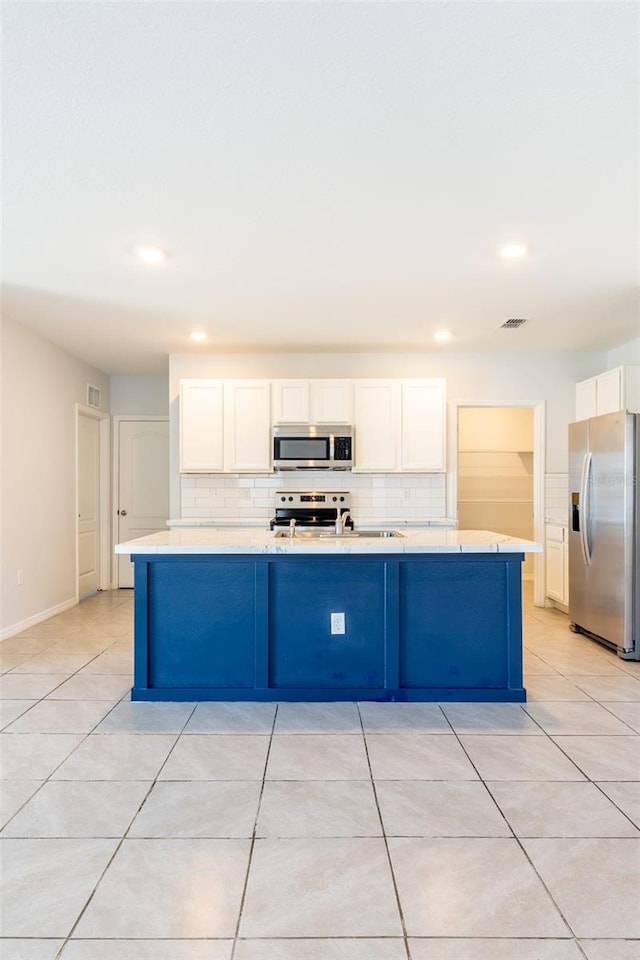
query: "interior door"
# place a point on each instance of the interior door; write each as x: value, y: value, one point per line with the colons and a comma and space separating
x: 143, y: 484
x: 88, y: 505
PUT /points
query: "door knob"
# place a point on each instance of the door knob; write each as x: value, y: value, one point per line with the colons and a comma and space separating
x: 123, y: 513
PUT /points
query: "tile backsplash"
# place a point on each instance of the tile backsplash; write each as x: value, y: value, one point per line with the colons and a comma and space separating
x: 407, y: 496
x: 373, y: 497
x: 556, y: 496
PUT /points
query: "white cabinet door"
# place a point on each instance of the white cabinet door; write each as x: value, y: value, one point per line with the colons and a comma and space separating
x: 312, y: 401
x: 247, y: 426
x: 556, y: 563
x: 291, y: 401
x: 201, y: 420
x: 586, y: 399
x: 377, y: 425
x: 330, y: 401
x: 609, y: 392
x: 423, y: 425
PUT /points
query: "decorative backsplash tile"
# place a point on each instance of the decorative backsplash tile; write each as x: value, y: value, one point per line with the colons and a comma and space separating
x: 556, y: 496
x: 374, y: 497
x: 378, y: 497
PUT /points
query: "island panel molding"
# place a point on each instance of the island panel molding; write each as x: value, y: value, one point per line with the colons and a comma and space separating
x: 418, y: 626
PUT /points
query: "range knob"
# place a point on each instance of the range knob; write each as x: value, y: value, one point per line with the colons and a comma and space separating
x: 291, y: 499
x: 341, y: 499
x: 334, y: 499
x: 283, y: 499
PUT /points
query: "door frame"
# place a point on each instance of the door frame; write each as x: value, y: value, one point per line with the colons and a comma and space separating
x: 117, y: 420
x: 539, y: 461
x: 104, y: 494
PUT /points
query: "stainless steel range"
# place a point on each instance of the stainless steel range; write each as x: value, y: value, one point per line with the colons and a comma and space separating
x: 311, y: 509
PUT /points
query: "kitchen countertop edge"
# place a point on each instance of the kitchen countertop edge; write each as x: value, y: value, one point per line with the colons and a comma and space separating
x: 252, y: 541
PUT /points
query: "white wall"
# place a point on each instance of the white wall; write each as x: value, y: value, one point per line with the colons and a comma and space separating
x: 141, y: 395
x: 40, y: 386
x: 625, y: 353
x: 479, y: 378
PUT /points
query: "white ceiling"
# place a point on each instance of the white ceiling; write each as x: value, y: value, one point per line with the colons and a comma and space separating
x: 332, y: 176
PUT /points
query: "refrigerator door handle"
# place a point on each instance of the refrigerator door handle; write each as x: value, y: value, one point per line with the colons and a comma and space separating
x: 584, y: 499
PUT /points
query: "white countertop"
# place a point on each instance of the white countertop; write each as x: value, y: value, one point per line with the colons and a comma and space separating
x: 256, y: 522
x: 249, y: 540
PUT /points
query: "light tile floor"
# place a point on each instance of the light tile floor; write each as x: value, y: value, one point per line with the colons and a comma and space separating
x: 142, y: 831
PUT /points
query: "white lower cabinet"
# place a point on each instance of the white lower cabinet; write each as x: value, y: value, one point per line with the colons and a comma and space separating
x: 557, y: 563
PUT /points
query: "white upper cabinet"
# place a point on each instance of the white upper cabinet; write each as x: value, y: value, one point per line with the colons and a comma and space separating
x: 423, y: 425
x: 247, y: 426
x: 400, y: 425
x: 291, y: 401
x: 377, y: 425
x: 225, y: 427
x: 331, y: 401
x: 201, y: 426
x: 312, y: 401
x: 610, y: 391
x: 617, y: 389
x: 586, y: 399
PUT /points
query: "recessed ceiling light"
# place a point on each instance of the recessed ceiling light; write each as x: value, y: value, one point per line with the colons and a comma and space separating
x: 151, y: 254
x: 512, y: 250
x: 442, y: 335
x: 198, y: 335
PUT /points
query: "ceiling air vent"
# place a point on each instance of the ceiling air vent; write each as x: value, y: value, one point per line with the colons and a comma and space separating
x: 93, y: 396
x: 513, y: 323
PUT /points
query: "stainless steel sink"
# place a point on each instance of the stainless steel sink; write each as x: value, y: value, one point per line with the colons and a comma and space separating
x: 350, y: 535
x: 363, y: 533
x: 298, y: 535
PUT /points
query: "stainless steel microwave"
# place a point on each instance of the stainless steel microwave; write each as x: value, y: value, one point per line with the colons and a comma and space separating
x: 301, y: 447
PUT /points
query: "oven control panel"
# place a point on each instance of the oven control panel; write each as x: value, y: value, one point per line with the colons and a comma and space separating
x: 296, y: 498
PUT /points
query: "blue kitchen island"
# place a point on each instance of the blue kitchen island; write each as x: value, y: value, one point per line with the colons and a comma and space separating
x: 238, y: 615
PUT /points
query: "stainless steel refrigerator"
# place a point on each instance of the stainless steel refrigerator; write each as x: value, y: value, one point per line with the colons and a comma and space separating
x: 604, y: 531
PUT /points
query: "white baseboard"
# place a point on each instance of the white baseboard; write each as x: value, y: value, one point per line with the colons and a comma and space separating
x: 37, y: 618
x: 550, y: 602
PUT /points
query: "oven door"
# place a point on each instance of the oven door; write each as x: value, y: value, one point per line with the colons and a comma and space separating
x: 301, y: 452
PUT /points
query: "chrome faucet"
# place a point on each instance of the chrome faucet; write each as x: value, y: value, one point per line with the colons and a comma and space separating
x: 341, y: 519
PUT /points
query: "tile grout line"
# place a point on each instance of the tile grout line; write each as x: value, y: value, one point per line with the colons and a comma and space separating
x: 405, y: 936
x: 253, y: 838
x: 518, y: 839
x: 120, y: 842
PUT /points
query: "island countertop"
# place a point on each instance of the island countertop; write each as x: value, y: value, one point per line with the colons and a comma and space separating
x: 205, y: 540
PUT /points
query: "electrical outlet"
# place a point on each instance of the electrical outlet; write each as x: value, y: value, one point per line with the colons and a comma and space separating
x: 337, y: 623
x: 20, y: 578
